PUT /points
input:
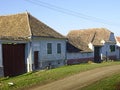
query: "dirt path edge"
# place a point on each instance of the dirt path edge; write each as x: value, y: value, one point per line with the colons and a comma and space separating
x: 80, y: 80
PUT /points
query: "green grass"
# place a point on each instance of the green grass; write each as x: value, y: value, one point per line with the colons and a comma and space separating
x: 110, y: 83
x: 47, y: 76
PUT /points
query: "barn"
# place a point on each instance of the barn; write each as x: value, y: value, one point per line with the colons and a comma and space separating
x: 93, y: 44
x: 27, y: 44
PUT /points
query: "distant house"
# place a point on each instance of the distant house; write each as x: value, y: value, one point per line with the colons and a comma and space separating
x: 118, y: 47
x: 94, y: 44
x: 27, y: 44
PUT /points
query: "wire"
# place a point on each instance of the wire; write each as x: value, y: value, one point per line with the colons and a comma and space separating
x: 76, y: 13
x: 70, y: 12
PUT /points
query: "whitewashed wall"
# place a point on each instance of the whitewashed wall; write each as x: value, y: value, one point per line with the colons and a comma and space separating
x: 79, y: 55
x: 1, y: 65
x: 112, y: 37
x: 28, y: 56
x: 1, y: 62
x: 118, y: 49
x: 106, y: 48
x: 41, y: 46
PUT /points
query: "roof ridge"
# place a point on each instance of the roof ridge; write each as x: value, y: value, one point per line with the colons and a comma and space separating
x: 87, y: 29
x: 13, y: 14
x: 93, y: 37
x: 29, y: 23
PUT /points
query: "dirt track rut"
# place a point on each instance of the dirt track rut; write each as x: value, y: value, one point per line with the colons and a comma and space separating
x: 80, y: 80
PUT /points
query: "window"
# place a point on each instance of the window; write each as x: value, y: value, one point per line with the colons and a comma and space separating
x: 49, y: 48
x: 59, y: 48
x: 112, y: 48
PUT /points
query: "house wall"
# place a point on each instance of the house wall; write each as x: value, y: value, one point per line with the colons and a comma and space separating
x: 106, y: 53
x: 105, y: 50
x: 45, y: 59
x: 118, y: 49
x: 112, y: 37
x: 1, y: 55
x: 118, y: 52
x: 74, y: 58
x: 28, y: 57
x: 1, y: 63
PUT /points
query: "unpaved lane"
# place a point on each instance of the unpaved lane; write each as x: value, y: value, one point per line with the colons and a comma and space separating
x: 80, y: 80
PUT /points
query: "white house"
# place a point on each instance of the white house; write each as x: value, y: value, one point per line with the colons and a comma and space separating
x: 118, y: 47
x: 93, y: 44
x: 27, y: 44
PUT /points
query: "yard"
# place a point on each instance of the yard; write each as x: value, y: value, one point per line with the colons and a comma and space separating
x: 46, y: 76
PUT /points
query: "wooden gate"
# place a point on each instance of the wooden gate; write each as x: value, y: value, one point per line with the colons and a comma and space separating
x: 13, y: 59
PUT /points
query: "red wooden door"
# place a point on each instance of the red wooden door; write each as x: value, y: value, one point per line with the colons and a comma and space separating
x: 13, y: 59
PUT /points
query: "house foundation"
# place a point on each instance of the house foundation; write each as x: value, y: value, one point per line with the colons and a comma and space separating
x: 1, y: 72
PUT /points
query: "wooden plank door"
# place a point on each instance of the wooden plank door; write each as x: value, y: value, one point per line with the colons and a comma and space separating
x: 36, y: 57
x: 13, y: 59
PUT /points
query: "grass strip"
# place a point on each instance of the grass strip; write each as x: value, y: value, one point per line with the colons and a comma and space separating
x: 47, y: 76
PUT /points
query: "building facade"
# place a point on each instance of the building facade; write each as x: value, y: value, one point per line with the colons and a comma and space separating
x: 27, y: 44
x: 98, y: 44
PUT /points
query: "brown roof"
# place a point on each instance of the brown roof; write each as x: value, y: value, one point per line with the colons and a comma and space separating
x: 23, y: 26
x: 101, y: 34
x: 81, y: 38
x: 42, y: 30
x: 14, y: 27
x: 78, y: 43
x: 118, y: 39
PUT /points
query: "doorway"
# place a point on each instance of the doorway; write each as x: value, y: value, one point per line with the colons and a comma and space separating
x: 97, y: 57
x: 36, y: 58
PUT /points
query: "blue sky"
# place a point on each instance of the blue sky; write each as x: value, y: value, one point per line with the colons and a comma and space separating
x: 90, y: 13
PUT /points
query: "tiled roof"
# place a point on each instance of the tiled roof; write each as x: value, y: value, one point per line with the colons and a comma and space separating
x: 81, y: 38
x: 22, y: 26
x: 14, y: 27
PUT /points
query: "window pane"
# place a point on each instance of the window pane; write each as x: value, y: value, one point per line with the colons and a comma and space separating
x: 59, y: 48
x: 112, y: 48
x: 49, y: 48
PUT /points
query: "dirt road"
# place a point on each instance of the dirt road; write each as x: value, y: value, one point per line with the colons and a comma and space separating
x: 80, y: 80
